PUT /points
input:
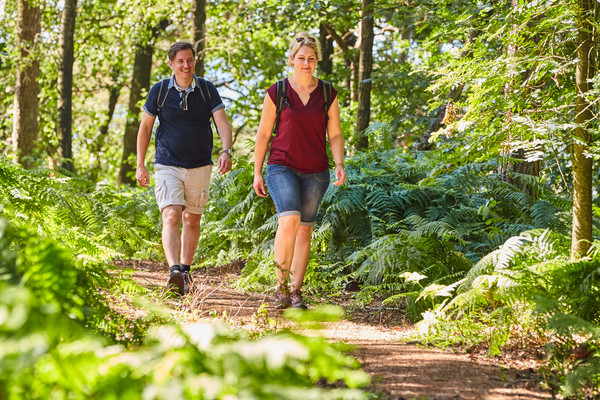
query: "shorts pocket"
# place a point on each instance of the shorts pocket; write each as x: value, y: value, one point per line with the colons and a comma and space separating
x: 275, y: 169
x: 322, y: 176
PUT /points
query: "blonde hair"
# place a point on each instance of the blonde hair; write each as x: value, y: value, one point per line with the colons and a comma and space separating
x: 303, y: 39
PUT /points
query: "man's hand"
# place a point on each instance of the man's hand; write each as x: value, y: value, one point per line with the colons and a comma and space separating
x: 142, y: 176
x: 224, y: 163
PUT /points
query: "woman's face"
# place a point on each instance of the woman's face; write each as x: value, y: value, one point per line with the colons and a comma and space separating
x: 305, y: 61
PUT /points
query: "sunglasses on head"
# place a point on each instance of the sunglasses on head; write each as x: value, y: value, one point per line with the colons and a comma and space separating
x: 301, y: 39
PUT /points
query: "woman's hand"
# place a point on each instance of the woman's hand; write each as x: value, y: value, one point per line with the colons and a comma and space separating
x: 340, y: 174
x: 259, y: 186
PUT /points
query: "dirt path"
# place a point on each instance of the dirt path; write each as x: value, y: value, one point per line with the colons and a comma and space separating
x: 398, y: 370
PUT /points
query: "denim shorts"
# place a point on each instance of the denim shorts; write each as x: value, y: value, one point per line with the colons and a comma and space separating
x: 295, y: 193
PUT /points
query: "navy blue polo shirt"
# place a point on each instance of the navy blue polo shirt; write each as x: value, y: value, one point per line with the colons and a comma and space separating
x: 184, y: 137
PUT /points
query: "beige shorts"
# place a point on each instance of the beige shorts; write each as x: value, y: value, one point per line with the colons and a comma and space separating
x: 182, y: 187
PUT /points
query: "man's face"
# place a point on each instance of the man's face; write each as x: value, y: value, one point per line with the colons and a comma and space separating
x: 183, y: 66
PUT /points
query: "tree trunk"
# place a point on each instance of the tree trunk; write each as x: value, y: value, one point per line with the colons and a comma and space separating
x: 142, y: 72
x: 521, y: 166
x: 142, y: 69
x: 113, y: 97
x: 453, y: 96
x: 365, y: 67
x: 199, y: 34
x: 326, y: 42
x: 346, y: 44
x: 581, y: 158
x: 27, y: 88
x: 65, y: 85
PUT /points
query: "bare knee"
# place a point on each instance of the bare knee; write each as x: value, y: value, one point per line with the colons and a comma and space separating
x: 288, y: 225
x: 171, y: 215
x: 191, y: 220
x: 304, y: 232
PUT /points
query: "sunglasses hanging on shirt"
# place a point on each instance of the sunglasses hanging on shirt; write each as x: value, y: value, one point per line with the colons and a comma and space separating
x: 183, y: 102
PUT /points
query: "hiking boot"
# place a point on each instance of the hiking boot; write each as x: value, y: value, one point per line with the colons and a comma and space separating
x: 188, y: 283
x: 296, y: 299
x: 282, y: 299
x: 176, y: 282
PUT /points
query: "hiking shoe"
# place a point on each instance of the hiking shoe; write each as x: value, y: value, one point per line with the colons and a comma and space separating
x: 296, y: 299
x: 282, y: 299
x: 176, y: 282
x: 188, y: 283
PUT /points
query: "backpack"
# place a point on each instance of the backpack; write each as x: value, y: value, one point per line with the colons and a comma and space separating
x: 201, y: 83
x: 281, y: 100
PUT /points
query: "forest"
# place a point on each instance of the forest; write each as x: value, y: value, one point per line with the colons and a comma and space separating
x: 471, y: 204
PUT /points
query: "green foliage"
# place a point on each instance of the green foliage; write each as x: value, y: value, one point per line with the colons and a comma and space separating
x: 58, y: 359
x: 92, y: 220
x: 236, y: 221
x: 399, y: 214
x: 61, y: 336
x: 443, y: 234
x: 526, y: 288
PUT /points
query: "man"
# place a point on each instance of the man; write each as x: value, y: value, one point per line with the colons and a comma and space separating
x: 184, y: 105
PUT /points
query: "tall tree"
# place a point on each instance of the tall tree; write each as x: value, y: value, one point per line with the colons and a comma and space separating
x: 522, y: 166
x: 65, y: 84
x: 27, y: 89
x: 114, y: 90
x: 365, y: 67
x: 199, y: 34
x: 142, y: 70
x: 582, y: 160
x: 326, y: 44
x: 346, y: 44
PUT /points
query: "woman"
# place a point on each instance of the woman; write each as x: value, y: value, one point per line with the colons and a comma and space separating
x: 298, y: 168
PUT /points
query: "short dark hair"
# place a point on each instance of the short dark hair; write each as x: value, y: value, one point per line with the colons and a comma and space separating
x: 177, y: 47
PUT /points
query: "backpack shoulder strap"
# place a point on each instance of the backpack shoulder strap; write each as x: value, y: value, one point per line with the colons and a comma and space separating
x: 203, y: 86
x: 327, y: 94
x: 162, y: 94
x: 281, y: 100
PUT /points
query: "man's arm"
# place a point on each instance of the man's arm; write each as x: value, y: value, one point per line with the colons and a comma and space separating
x: 143, y: 141
x: 224, y: 163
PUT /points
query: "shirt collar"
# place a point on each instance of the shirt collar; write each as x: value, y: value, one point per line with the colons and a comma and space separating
x: 172, y: 84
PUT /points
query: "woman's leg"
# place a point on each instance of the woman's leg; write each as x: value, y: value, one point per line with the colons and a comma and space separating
x: 312, y: 190
x: 301, y: 255
x: 285, y: 240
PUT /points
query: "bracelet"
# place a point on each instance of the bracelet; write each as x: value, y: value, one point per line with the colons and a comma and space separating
x: 341, y: 164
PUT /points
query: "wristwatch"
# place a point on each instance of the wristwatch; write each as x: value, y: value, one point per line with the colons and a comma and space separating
x: 228, y: 151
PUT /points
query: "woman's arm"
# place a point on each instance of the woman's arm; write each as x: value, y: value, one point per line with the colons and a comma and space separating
x: 336, y: 141
x: 263, y: 136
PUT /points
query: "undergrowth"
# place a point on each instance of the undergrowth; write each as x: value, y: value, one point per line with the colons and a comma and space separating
x: 476, y: 259
x: 61, y: 335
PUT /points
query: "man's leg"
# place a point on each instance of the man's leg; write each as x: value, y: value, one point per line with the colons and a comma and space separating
x: 171, y: 216
x: 171, y: 236
x: 190, y: 235
x: 197, y: 189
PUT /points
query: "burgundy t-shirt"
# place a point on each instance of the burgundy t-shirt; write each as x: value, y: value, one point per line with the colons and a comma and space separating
x: 301, y: 135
